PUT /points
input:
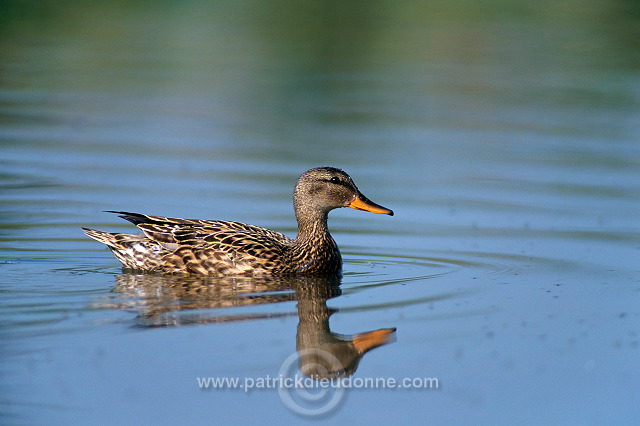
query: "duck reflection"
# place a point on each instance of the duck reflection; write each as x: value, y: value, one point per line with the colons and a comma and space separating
x: 171, y: 300
x: 324, y: 354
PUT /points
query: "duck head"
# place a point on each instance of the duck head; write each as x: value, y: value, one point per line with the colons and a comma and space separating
x: 326, y: 188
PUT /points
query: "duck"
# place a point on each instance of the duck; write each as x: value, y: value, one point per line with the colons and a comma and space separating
x: 224, y: 248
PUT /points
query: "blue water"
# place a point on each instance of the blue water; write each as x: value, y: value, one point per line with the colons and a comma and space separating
x: 503, y: 135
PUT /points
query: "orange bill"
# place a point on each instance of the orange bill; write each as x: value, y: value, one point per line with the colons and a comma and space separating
x: 366, y: 341
x: 363, y: 203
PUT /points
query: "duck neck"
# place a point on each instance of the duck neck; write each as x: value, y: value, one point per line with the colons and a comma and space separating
x: 314, y: 250
x: 312, y: 228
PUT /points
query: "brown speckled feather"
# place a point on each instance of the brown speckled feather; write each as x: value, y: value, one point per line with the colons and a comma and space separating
x: 214, y: 247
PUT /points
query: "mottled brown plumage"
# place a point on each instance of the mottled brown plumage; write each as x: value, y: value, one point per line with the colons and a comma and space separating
x: 215, y: 247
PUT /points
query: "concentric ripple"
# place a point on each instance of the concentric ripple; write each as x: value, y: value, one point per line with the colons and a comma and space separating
x: 364, y: 269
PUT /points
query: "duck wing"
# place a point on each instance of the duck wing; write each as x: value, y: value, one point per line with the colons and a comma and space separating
x: 210, y: 233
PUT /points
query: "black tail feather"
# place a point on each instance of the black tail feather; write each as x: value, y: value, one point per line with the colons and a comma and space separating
x: 135, y: 218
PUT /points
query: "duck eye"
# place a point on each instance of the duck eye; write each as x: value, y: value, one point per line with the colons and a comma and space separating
x: 334, y: 180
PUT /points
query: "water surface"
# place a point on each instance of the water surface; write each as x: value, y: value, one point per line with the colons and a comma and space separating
x: 503, y: 135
